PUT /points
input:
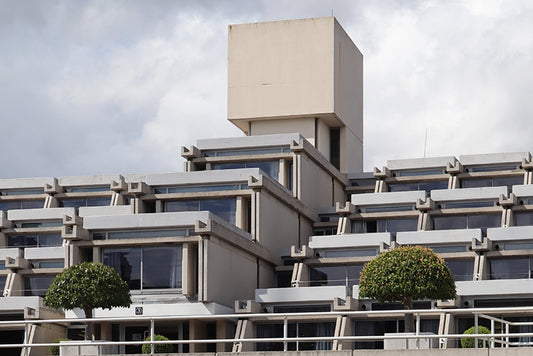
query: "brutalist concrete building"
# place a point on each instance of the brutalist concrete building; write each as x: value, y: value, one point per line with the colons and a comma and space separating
x: 280, y: 220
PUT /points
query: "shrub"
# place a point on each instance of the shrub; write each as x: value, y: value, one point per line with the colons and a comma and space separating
x: 54, y: 350
x: 158, y: 348
x: 468, y: 342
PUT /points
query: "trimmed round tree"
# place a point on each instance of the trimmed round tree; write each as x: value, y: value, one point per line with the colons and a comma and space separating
x: 87, y: 286
x: 405, y: 274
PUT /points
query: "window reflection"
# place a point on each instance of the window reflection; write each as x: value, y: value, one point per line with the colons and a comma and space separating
x: 510, y: 268
x: 223, y: 208
x: 147, y: 267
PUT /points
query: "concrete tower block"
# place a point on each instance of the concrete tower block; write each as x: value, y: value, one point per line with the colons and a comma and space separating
x: 302, y: 76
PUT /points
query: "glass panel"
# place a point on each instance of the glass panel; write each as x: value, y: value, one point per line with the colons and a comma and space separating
x: 468, y: 204
x: 350, y: 252
x: 419, y: 172
x: 492, y: 168
x: 182, y: 205
x: 271, y: 168
x: 50, y: 239
x: 462, y: 270
x: 476, y: 183
x: 223, y: 208
x: 127, y: 263
x: 21, y: 240
x: 73, y: 203
x: 32, y: 204
x: 395, y: 225
x: 216, y: 166
x: 37, y: 285
x: 508, y: 181
x: 518, y: 246
x: 98, y: 201
x: 249, y: 151
x: 380, y: 209
x: 10, y: 205
x: 51, y: 264
x: 102, y: 188
x: 162, y: 267
x: 315, y: 330
x: 484, y: 221
x: 21, y: 191
x: 509, y: 268
x: 327, y: 276
x: 449, y: 222
x: 523, y: 218
x: 145, y: 234
x: 362, y: 182
x: 205, y: 188
x: 449, y: 249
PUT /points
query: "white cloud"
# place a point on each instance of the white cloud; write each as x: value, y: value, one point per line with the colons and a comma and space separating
x: 119, y: 86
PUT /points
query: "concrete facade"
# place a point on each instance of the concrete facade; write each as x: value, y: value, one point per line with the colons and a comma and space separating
x: 265, y: 235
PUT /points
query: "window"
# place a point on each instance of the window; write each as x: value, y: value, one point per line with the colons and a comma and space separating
x: 493, y: 182
x: 335, y: 146
x: 510, y: 268
x: 247, y: 151
x: 21, y: 204
x: 87, y: 189
x: 385, y: 225
x: 335, y: 275
x: 412, y: 173
x: 383, y: 209
x: 427, y: 186
x: 147, y: 267
x: 452, y: 222
x: 224, y: 208
x: 199, y: 188
x: 80, y: 202
x: 271, y: 168
x: 523, y: 218
x: 34, y: 240
x: 136, y: 234
x: 494, y: 168
x: 37, y: 285
x: 462, y: 270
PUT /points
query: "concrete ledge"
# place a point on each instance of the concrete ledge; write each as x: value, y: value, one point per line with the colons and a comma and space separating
x: 425, y: 238
x: 40, y: 214
x: 202, y: 177
x: 388, y: 198
x: 501, y: 288
x: 152, y: 220
x: 511, y: 233
x: 483, y: 193
x: 494, y: 158
x: 300, y: 294
x: 105, y: 210
x: 350, y: 240
x: 420, y: 163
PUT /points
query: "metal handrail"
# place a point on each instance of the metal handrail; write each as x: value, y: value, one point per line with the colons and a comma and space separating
x: 493, y: 338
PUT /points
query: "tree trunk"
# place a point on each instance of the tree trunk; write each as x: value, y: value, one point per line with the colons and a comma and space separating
x: 409, y: 319
x: 89, y: 331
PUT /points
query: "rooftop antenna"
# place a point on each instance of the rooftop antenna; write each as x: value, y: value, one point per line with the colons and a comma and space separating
x: 425, y: 142
x: 331, y: 12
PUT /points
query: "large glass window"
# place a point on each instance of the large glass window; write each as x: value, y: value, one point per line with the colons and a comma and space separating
x: 523, y: 218
x: 477, y: 221
x: 80, y: 202
x: 271, y: 168
x: 37, y: 285
x: 335, y: 275
x: 462, y: 270
x: 510, y: 268
x: 147, y: 267
x: 492, y: 182
x: 34, y: 240
x: 427, y: 186
x: 385, y: 225
x: 223, y: 208
x: 21, y: 204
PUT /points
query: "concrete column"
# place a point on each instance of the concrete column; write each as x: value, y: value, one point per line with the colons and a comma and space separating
x: 196, y: 331
x: 188, y: 269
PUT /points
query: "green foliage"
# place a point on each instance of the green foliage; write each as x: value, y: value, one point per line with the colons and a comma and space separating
x: 405, y: 274
x: 54, y: 350
x: 88, y: 285
x: 158, y: 348
x: 469, y: 342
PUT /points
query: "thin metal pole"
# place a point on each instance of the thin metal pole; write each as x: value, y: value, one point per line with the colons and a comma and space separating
x: 285, y: 332
x: 476, y: 323
x: 492, y: 332
x: 152, y: 346
x: 417, y: 330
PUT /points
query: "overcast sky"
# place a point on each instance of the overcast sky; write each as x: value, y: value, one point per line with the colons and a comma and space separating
x: 96, y: 87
